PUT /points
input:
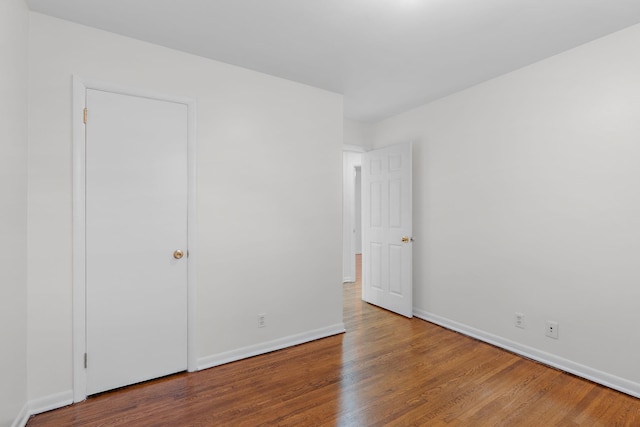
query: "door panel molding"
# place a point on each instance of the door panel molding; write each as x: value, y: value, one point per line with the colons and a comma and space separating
x: 80, y: 86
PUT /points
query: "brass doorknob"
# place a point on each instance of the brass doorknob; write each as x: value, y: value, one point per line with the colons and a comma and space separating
x: 177, y: 254
x: 406, y: 239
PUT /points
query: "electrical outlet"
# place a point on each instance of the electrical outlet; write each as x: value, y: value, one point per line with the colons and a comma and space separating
x: 552, y: 329
x: 519, y: 320
x: 262, y: 320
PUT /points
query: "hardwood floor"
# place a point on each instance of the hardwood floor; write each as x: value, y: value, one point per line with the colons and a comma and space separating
x: 385, y: 370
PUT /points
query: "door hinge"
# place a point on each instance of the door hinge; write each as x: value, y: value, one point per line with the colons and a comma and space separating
x: 85, y: 361
x: 84, y: 116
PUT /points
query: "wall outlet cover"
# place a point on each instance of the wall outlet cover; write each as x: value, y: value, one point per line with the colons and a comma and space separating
x: 552, y: 329
x: 519, y: 320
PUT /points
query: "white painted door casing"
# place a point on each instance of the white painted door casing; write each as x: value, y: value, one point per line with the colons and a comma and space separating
x: 386, y: 220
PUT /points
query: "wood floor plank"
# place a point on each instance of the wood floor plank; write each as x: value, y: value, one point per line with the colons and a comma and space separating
x: 386, y: 370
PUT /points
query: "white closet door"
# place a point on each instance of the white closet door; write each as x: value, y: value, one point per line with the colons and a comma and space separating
x: 136, y: 229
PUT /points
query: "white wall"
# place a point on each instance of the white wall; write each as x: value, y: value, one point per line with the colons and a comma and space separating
x: 269, y: 178
x: 13, y: 209
x: 526, y: 199
x: 356, y: 133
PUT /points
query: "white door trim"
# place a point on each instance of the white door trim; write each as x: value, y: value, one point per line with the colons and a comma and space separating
x: 80, y: 87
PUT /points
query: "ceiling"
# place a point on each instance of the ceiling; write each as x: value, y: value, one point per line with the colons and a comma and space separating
x: 384, y: 56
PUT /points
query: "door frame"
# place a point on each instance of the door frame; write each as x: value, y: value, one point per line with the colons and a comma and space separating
x: 80, y: 86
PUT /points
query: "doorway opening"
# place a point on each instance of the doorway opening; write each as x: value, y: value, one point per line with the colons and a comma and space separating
x: 352, y: 214
x: 357, y: 214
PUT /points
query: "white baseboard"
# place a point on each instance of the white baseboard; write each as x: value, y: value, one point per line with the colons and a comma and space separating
x: 22, y: 418
x: 608, y: 380
x: 42, y: 404
x: 48, y: 403
x: 269, y: 346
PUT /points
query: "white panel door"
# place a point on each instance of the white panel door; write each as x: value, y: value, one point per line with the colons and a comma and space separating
x: 136, y: 218
x: 387, y: 229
